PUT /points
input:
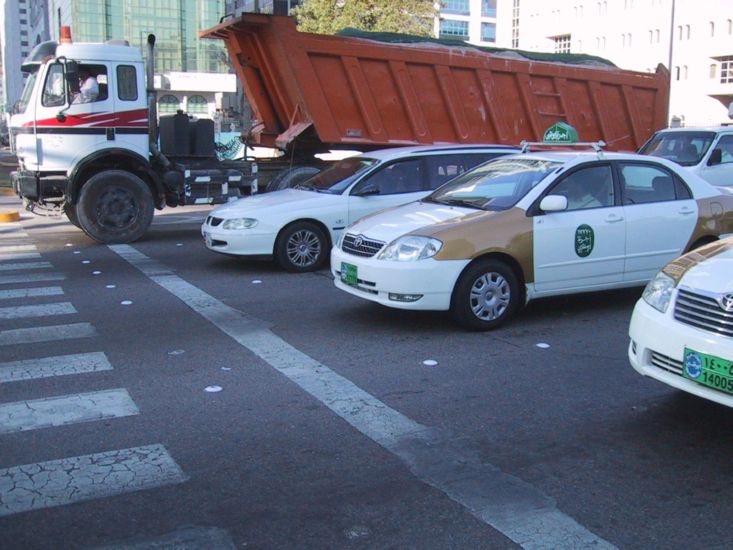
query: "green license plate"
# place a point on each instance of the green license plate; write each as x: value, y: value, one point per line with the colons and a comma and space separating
x: 708, y: 370
x: 348, y: 274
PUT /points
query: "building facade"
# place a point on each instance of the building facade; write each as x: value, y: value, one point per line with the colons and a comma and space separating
x: 638, y: 34
x: 474, y: 21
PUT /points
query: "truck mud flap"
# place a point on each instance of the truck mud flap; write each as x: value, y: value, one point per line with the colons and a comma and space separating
x: 212, y: 186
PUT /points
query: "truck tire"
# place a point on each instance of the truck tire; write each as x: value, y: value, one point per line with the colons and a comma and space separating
x: 115, y: 207
x: 301, y: 247
x: 70, y: 211
x: 485, y: 296
x: 290, y: 177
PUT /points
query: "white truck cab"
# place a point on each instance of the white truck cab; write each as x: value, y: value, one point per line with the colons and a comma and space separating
x: 708, y: 152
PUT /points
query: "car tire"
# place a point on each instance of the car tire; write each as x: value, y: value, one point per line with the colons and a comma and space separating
x: 301, y: 247
x: 290, y: 177
x: 486, y: 295
x: 115, y: 207
x: 70, y: 211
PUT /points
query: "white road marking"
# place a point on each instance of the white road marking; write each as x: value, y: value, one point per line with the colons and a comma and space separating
x: 46, y: 367
x: 31, y: 278
x: 46, y: 334
x: 13, y: 248
x: 13, y: 233
x: 185, y: 538
x: 26, y: 265
x: 82, y: 478
x: 65, y: 409
x: 31, y: 292
x: 20, y: 256
x: 36, y: 310
x: 508, y: 504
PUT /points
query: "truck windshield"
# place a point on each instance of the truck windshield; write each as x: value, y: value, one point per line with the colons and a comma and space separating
x: 337, y: 177
x: 495, y: 185
x: 25, y: 97
x: 685, y: 148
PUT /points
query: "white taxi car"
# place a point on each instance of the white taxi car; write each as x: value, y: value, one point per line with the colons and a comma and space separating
x: 682, y: 328
x: 530, y: 225
x: 298, y: 226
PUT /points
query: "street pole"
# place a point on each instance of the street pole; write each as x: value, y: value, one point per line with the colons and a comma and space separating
x: 669, y: 65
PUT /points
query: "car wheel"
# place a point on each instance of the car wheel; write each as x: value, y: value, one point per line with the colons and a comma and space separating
x: 70, y: 211
x: 301, y: 247
x: 485, y: 296
x: 115, y: 207
x: 290, y: 177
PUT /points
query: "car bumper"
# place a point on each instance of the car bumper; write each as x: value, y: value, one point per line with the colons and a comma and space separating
x: 657, y: 349
x: 385, y: 282
x: 238, y: 243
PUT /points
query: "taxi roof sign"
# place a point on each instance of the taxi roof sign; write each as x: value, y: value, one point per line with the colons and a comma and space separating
x: 560, y: 132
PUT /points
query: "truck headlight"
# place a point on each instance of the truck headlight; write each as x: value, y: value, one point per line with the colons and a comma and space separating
x: 658, y: 292
x: 410, y: 249
x: 239, y: 223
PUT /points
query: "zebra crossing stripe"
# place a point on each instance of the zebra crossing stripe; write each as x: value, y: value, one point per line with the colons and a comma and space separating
x: 31, y: 278
x: 31, y: 292
x: 184, y: 538
x: 88, y: 477
x: 21, y: 256
x: 26, y: 265
x: 36, y: 310
x: 47, y: 367
x: 12, y: 248
x: 12, y: 233
x: 62, y: 410
x: 46, y: 334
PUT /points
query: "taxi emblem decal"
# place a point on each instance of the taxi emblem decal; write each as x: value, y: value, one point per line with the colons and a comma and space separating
x: 584, y: 240
x: 726, y: 302
x: 693, y: 365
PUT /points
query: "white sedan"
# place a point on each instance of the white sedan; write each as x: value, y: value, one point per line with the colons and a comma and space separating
x: 298, y: 226
x: 682, y: 328
x: 527, y: 226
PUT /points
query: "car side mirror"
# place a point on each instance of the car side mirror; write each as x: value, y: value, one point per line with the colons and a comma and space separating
x: 368, y: 189
x: 554, y: 203
x: 716, y: 157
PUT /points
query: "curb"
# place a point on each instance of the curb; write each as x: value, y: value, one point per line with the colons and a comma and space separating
x: 6, y: 191
x: 7, y: 216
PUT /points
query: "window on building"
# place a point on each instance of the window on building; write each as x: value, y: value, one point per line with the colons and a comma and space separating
x: 515, y: 24
x: 713, y: 70
x: 651, y: 37
x: 488, y: 32
x: 676, y: 73
x: 712, y: 28
x: 169, y: 104
x: 726, y: 69
x: 459, y: 7
x: 679, y: 32
x: 562, y: 43
x: 684, y: 72
x: 730, y: 26
x: 657, y: 35
x: 450, y: 28
x: 198, y: 105
x: 628, y: 40
x: 687, y: 31
x: 488, y: 8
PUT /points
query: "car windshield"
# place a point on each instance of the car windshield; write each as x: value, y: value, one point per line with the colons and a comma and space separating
x: 685, y: 148
x: 25, y: 97
x: 496, y: 185
x: 337, y: 177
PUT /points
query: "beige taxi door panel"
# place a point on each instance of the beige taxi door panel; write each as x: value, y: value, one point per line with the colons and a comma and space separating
x: 582, y: 247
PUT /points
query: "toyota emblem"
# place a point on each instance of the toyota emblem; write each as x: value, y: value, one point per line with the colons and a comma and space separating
x: 360, y: 241
x: 726, y: 302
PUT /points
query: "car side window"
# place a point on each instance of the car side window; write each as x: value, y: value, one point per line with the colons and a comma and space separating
x: 399, y: 177
x: 589, y: 187
x: 443, y: 168
x: 645, y: 183
x: 725, y: 144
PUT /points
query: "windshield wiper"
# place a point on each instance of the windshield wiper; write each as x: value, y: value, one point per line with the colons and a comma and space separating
x: 461, y: 202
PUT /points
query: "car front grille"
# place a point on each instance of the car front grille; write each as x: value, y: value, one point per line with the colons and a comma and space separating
x: 358, y: 245
x: 703, y: 311
x: 666, y: 363
x: 213, y: 222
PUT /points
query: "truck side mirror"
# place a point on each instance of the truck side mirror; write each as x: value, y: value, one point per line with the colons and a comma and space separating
x: 716, y: 157
x: 72, y: 76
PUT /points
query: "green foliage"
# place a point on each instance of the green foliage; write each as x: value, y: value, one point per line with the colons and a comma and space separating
x: 331, y: 16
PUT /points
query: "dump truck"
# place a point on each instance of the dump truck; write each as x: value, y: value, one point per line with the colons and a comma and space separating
x: 105, y: 164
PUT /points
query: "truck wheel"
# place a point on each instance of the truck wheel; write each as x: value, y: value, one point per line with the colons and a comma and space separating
x: 115, y: 207
x: 485, y: 296
x: 290, y: 177
x: 301, y: 247
x: 70, y: 211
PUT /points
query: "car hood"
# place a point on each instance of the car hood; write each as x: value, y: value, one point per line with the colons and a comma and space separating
x: 708, y: 268
x: 389, y: 224
x: 285, y: 200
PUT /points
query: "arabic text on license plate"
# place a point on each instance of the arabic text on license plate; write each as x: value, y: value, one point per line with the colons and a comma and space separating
x: 708, y: 370
x: 348, y: 273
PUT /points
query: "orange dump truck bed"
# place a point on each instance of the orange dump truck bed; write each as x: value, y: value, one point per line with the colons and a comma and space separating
x: 314, y: 92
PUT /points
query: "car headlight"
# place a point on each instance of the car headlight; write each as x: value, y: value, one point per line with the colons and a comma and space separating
x: 658, y: 291
x: 410, y: 248
x: 239, y: 223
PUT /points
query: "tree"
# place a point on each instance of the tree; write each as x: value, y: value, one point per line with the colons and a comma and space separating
x: 331, y: 16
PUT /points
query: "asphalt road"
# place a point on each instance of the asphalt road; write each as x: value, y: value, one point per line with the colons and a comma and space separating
x: 328, y: 431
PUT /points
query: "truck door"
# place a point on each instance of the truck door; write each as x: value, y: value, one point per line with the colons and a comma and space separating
x: 719, y: 173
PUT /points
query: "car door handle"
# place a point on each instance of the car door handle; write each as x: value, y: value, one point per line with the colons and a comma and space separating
x: 687, y: 211
x: 614, y: 219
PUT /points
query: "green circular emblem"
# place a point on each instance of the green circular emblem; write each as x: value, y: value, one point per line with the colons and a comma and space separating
x: 585, y: 238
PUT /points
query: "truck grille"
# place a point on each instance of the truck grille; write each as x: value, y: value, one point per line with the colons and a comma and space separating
x: 358, y: 245
x: 703, y: 311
